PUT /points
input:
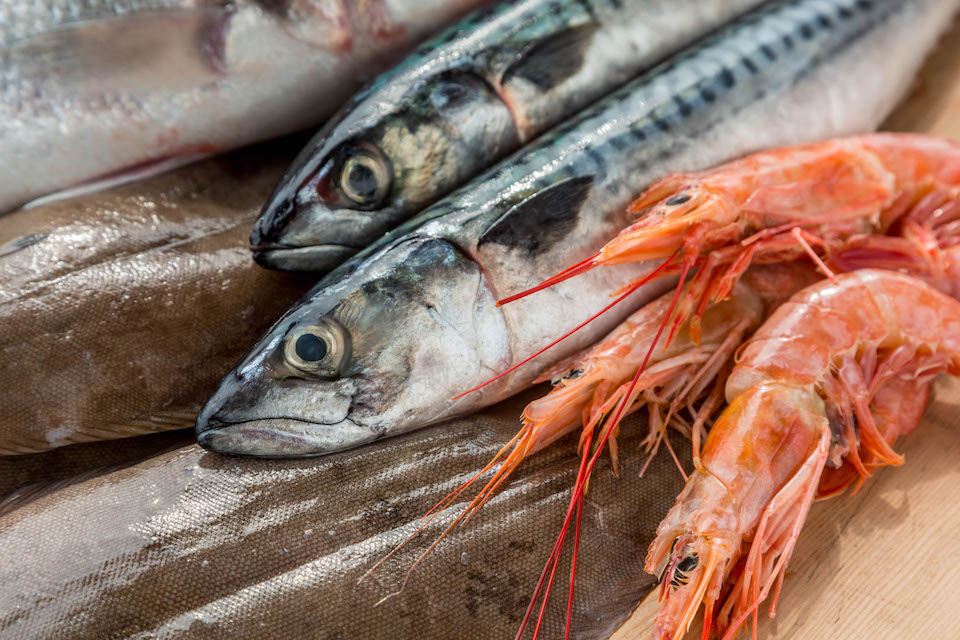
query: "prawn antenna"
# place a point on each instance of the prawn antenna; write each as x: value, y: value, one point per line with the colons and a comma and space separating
x: 629, y: 289
x: 571, y: 271
x: 584, y: 473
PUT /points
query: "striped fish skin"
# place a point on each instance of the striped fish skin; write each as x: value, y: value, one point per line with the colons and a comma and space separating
x: 412, y: 321
x: 454, y: 107
x: 94, y: 88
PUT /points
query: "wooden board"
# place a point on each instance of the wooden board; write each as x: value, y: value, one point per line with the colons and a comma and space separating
x: 883, y: 564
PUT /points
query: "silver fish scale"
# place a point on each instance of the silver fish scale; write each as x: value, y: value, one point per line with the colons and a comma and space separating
x: 771, y: 49
x: 22, y: 19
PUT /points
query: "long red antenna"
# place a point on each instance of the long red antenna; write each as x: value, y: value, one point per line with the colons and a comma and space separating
x: 566, y: 274
x: 581, y: 477
x: 633, y: 287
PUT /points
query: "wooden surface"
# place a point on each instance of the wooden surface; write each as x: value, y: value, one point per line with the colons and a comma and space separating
x: 884, y: 564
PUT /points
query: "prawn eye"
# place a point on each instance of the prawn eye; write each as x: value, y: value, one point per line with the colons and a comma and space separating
x: 688, y: 564
x: 365, y: 178
x: 321, y: 349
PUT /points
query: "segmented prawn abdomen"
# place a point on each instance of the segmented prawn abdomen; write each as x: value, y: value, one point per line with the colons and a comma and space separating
x: 818, y: 327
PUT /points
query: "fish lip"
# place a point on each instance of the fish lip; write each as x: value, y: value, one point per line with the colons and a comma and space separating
x: 265, y: 438
x: 320, y: 258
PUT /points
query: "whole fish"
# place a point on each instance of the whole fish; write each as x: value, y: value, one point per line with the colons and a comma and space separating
x: 90, y: 89
x: 462, y: 101
x: 382, y: 344
x: 197, y: 546
x: 120, y: 311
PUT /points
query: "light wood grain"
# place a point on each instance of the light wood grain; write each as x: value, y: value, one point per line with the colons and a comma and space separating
x: 883, y: 564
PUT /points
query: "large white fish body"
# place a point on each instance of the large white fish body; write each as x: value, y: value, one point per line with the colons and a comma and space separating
x: 94, y: 88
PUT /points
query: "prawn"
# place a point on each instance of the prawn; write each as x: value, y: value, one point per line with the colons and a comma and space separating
x: 588, y: 385
x: 771, y: 207
x: 833, y: 377
x: 778, y: 205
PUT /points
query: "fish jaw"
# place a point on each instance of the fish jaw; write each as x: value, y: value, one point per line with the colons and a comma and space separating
x: 296, y: 231
x: 320, y: 258
x: 382, y: 159
x: 291, y: 439
x: 301, y: 229
x: 247, y: 415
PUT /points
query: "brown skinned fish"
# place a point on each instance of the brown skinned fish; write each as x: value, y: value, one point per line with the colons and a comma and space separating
x: 27, y: 477
x: 195, y: 545
x: 119, y: 311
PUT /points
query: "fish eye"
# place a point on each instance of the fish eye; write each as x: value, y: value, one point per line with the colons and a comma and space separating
x: 365, y: 178
x: 321, y: 349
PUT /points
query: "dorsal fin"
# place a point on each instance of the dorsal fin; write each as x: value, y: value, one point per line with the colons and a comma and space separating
x: 548, y: 62
x: 541, y: 220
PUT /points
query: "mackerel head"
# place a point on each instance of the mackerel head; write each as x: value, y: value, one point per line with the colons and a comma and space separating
x: 453, y: 108
x: 383, y: 344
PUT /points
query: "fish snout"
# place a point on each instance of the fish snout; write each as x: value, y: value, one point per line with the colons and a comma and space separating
x: 285, y: 420
x: 270, y: 222
x: 293, y: 236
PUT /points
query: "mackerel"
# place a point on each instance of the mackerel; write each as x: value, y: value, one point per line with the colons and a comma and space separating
x: 462, y: 101
x: 382, y: 345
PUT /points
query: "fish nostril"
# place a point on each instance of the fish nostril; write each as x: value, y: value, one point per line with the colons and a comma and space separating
x: 270, y: 221
x: 282, y: 210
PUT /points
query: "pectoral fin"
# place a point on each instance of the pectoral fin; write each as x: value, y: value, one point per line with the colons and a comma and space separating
x: 548, y: 62
x: 541, y: 220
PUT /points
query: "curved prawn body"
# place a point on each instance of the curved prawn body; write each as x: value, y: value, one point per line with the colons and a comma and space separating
x: 590, y: 384
x: 594, y: 382
x: 817, y: 398
x: 676, y: 376
x: 778, y: 205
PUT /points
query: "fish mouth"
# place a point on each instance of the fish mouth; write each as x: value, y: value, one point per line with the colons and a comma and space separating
x: 318, y: 258
x: 281, y: 437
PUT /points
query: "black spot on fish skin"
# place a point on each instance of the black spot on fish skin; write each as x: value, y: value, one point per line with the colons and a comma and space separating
x: 806, y: 31
x: 845, y: 13
x: 212, y: 37
x: 542, y: 220
x: 865, y: 5
x: 727, y: 78
x: 588, y: 8
x: 597, y: 158
x: 662, y: 124
x: 684, y: 108
x: 824, y: 21
x: 750, y: 65
x: 548, y: 62
x: 767, y: 51
x: 618, y: 143
x: 707, y: 94
x: 788, y: 42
